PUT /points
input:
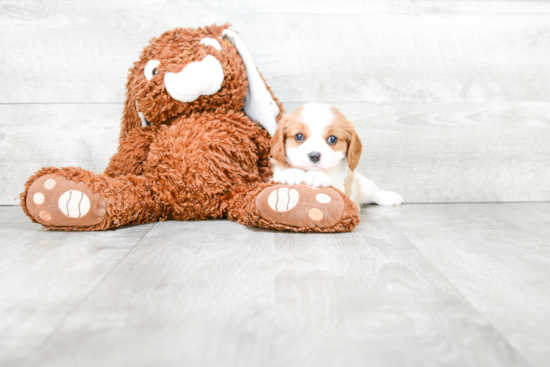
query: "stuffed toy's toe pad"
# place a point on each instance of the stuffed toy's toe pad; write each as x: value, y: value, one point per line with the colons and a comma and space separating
x: 300, y: 205
x: 55, y: 201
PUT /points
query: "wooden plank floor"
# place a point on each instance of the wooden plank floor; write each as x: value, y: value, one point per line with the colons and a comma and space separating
x: 416, y: 285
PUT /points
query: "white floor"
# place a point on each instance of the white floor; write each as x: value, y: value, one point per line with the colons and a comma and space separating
x: 417, y: 285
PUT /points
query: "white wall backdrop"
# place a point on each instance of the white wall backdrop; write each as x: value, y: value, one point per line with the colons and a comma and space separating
x: 451, y: 98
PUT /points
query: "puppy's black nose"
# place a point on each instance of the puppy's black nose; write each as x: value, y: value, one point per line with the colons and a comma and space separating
x: 314, y: 157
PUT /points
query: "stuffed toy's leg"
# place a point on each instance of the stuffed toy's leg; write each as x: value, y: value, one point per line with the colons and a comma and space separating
x: 71, y: 198
x: 295, y: 208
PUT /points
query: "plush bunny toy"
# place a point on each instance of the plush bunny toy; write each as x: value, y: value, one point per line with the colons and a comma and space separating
x: 191, y: 147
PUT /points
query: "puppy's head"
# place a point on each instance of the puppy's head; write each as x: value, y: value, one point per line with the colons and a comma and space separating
x: 316, y: 137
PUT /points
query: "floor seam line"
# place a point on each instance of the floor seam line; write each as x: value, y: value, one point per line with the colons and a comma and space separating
x: 62, y: 322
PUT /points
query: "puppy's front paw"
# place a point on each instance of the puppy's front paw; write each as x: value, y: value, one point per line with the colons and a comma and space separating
x: 291, y: 176
x: 388, y: 198
x: 317, y: 179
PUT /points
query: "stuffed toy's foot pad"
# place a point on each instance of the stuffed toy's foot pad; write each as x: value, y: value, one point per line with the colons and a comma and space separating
x: 56, y: 201
x: 300, y: 205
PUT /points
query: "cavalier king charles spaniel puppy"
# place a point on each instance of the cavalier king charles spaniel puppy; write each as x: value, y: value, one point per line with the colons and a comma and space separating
x: 316, y: 145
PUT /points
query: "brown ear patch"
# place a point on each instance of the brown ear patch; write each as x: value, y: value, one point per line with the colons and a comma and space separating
x: 342, y: 127
x: 300, y: 206
x: 278, y: 151
x: 354, y: 150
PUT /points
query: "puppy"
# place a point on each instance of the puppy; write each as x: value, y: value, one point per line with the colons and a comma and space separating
x: 318, y: 146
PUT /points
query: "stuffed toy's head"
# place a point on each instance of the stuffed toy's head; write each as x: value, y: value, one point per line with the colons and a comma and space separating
x: 186, y: 71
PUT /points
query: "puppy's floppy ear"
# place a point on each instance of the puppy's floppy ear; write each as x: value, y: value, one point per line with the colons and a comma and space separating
x: 354, y: 150
x: 259, y: 105
x: 278, y: 141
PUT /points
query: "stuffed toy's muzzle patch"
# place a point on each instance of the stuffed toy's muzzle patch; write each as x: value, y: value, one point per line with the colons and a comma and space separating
x: 201, y: 78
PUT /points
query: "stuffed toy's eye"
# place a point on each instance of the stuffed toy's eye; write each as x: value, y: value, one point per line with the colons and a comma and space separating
x: 332, y: 140
x: 211, y: 42
x: 299, y: 137
x: 151, y: 69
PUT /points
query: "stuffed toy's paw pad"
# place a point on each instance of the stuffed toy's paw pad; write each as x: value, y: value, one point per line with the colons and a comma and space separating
x: 56, y: 201
x: 300, y: 205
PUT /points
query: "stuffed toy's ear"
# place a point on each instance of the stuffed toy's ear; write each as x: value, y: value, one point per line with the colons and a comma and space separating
x: 354, y: 150
x: 259, y: 106
x: 130, y: 117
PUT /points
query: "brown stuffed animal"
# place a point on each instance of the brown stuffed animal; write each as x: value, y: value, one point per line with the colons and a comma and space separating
x: 189, y: 149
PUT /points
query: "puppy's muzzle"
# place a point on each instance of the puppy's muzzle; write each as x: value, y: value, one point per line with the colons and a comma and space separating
x: 314, y: 157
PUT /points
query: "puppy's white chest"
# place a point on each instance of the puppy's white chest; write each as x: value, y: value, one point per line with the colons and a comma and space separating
x: 338, y: 175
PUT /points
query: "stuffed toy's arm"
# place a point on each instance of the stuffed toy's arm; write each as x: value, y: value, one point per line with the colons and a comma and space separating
x: 132, y: 153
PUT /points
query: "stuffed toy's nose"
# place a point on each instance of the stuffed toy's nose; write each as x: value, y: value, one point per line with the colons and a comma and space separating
x: 199, y: 78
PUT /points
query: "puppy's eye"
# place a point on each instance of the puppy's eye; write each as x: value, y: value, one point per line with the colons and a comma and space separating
x: 299, y: 137
x: 151, y: 69
x: 332, y: 139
